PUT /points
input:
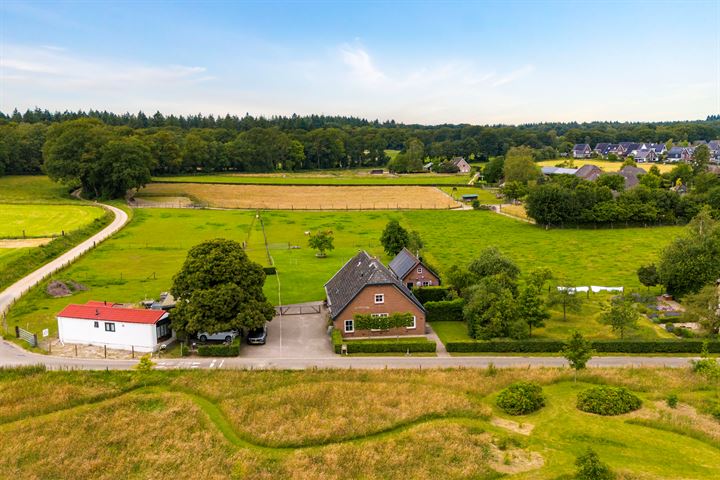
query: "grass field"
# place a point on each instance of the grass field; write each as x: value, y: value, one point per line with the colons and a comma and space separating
x: 485, y: 196
x: 140, y: 261
x: 345, y: 424
x: 304, y: 197
x: 605, y: 165
x: 326, y: 177
x: 44, y: 220
x: 32, y: 189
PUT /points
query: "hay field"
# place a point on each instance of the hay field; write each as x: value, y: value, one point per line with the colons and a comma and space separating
x: 21, y: 221
x: 393, y: 424
x: 305, y: 197
x: 605, y: 164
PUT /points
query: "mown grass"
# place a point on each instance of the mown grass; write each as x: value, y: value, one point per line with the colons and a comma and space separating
x: 484, y: 196
x: 20, y: 221
x: 351, y: 424
x: 33, y: 189
x: 140, y: 261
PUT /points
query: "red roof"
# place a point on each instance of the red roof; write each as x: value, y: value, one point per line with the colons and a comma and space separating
x: 98, y: 311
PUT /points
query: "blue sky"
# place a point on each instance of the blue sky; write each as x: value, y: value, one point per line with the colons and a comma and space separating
x: 413, y: 61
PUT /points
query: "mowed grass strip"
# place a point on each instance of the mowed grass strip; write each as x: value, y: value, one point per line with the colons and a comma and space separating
x: 18, y: 221
x: 325, y: 177
x: 306, y: 197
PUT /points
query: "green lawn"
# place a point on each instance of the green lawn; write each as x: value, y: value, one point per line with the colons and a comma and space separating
x: 32, y: 189
x: 485, y: 196
x: 140, y: 261
x: 328, y: 177
x: 44, y: 220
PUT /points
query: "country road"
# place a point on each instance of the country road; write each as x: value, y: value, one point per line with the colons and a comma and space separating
x: 19, y: 288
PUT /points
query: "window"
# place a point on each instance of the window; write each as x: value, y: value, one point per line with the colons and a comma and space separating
x: 414, y: 323
x: 379, y: 298
x: 426, y: 284
x: 109, y: 327
x: 349, y: 326
x: 410, y: 285
x: 97, y: 324
x: 379, y: 315
x: 419, y: 270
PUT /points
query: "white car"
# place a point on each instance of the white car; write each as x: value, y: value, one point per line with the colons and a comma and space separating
x: 228, y: 336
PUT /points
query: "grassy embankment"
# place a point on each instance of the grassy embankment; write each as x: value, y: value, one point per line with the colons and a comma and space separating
x: 350, y: 424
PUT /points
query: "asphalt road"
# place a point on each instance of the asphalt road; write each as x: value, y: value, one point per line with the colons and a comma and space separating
x: 19, y: 288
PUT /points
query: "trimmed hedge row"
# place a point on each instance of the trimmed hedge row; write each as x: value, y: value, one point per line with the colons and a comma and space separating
x: 222, y: 350
x: 601, y: 346
x: 385, y: 346
x: 445, y: 310
x: 270, y: 270
x: 431, y: 294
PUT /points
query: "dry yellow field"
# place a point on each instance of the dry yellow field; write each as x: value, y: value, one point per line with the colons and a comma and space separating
x: 304, y: 197
x: 606, y: 165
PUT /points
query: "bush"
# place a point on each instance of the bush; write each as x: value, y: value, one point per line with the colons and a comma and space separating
x: 603, y: 346
x: 521, y: 398
x: 413, y: 345
x: 220, y: 350
x: 605, y: 400
x: 270, y: 270
x: 589, y: 467
x: 432, y: 294
x: 445, y: 310
x: 672, y: 400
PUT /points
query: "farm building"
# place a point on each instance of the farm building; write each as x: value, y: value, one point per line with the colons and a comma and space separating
x: 412, y: 271
x: 469, y: 197
x: 365, y: 286
x: 461, y: 164
x: 103, y: 324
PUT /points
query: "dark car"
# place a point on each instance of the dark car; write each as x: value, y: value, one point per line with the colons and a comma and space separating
x: 257, y: 336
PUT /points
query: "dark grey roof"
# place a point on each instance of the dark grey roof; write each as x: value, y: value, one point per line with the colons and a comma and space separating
x: 601, y: 147
x: 631, y: 175
x: 403, y: 263
x: 456, y: 160
x: 360, y: 271
x: 582, y: 146
x: 589, y: 172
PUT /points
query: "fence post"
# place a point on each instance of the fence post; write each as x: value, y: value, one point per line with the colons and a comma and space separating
x: 105, y: 347
x: 131, y: 346
x: 76, y: 350
x: 35, y: 342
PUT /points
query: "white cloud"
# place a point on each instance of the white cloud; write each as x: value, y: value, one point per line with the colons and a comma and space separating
x: 514, y: 75
x: 360, y: 63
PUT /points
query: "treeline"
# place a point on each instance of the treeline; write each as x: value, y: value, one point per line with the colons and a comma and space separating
x: 182, y: 144
x: 671, y: 198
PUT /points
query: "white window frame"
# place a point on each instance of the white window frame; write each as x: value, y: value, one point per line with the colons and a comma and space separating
x: 426, y: 283
x: 383, y: 315
x: 109, y: 326
x: 414, y: 324
x: 419, y: 270
x: 352, y: 326
x: 382, y: 298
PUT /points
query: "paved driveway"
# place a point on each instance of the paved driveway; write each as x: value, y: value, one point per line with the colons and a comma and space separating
x: 293, y: 336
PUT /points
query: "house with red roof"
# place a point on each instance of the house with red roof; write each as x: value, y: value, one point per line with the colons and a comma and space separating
x: 112, y: 325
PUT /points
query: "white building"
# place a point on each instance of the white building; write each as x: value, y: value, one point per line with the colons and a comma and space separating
x: 102, y: 324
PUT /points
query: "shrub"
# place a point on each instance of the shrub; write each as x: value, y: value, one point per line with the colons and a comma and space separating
x: 521, y: 398
x: 445, y: 310
x: 589, y: 467
x: 605, y: 400
x: 145, y: 363
x: 432, y: 294
x: 221, y: 350
x: 672, y: 400
x: 414, y: 345
x: 603, y: 346
x: 270, y: 270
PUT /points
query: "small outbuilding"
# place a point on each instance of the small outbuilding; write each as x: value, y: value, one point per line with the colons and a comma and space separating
x: 103, y: 324
x: 469, y: 197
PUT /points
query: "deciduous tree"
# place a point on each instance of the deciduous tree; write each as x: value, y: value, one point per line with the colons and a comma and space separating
x: 394, y: 238
x: 322, y: 242
x: 577, y: 352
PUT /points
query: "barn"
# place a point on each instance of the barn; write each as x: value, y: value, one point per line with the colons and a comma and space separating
x: 111, y: 325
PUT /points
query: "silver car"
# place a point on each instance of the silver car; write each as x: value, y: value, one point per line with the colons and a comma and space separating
x: 228, y: 336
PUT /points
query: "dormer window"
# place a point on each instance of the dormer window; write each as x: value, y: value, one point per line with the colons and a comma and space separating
x: 379, y: 298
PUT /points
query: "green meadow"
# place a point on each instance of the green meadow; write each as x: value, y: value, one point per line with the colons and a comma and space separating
x: 139, y: 262
x: 355, y: 424
x: 33, y: 189
x: 19, y: 221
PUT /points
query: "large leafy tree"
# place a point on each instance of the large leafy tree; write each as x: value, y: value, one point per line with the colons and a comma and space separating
x: 567, y: 298
x: 124, y: 164
x: 410, y: 159
x: 519, y: 165
x: 621, y: 315
x: 394, y: 238
x: 704, y: 307
x: 492, y: 262
x: 219, y: 289
x: 648, y: 275
x: 322, y: 242
x: 491, y: 310
x: 532, y: 309
x: 692, y: 260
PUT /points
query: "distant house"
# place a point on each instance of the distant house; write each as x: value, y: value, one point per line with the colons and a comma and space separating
x: 631, y: 175
x: 410, y: 270
x: 589, y: 172
x: 103, y: 324
x: 378, y: 171
x: 582, y: 150
x: 461, y: 164
x: 602, y: 149
x: 365, y: 286
x: 645, y: 156
x: 679, y: 154
x: 658, y: 148
x: 627, y: 148
x: 428, y: 166
x: 714, y: 146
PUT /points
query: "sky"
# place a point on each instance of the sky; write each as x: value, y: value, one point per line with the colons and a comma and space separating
x: 482, y: 62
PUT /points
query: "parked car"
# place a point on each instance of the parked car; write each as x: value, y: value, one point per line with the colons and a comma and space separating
x: 228, y: 336
x: 257, y: 336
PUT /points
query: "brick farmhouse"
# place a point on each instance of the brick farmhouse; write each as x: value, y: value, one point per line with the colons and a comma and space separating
x: 411, y: 271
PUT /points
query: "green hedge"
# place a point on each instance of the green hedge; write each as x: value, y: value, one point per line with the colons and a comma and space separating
x: 445, y: 310
x: 521, y: 398
x: 270, y: 270
x: 606, y: 400
x: 221, y: 350
x: 601, y: 346
x: 431, y: 294
x: 414, y: 345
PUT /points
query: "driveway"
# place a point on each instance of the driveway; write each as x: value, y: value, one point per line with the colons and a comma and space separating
x: 293, y: 336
